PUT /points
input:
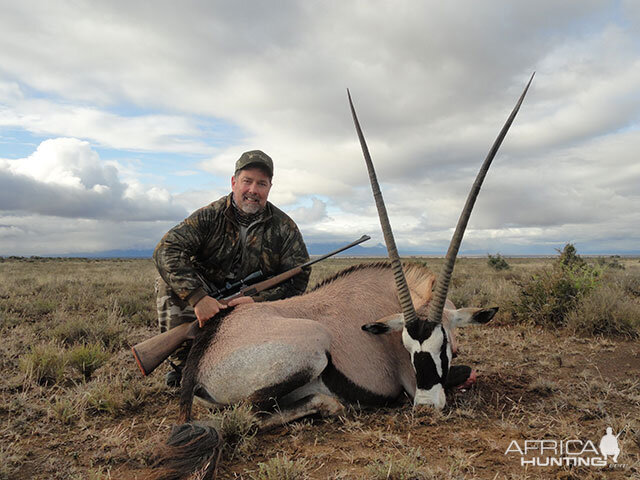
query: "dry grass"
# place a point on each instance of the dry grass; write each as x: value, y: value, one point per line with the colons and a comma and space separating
x: 281, y: 467
x: 72, y: 403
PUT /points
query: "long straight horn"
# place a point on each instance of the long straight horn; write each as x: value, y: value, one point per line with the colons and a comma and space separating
x: 404, y: 295
x: 437, y: 304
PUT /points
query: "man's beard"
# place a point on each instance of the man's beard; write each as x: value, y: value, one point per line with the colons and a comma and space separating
x: 251, y: 208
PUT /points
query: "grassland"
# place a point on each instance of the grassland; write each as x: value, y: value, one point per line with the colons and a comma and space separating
x: 560, y: 361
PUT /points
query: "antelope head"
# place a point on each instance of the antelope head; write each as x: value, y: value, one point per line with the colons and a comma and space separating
x: 429, y: 338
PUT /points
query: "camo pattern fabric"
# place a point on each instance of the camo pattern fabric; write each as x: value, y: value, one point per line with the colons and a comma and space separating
x: 172, y: 312
x: 209, y: 241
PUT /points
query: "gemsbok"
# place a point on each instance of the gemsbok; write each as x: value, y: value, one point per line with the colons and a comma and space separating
x: 371, y: 334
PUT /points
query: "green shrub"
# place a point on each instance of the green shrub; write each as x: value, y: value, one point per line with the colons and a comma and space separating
x: 497, y: 262
x: 41, y: 306
x: 87, y: 358
x: 569, y: 257
x: 551, y: 293
x: 44, y: 364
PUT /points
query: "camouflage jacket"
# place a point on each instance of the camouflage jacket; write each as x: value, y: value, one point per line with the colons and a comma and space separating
x: 208, y: 242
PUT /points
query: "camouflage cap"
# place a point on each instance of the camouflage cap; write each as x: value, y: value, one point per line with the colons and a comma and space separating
x: 257, y: 157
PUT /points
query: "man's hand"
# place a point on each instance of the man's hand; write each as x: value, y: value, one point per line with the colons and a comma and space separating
x: 206, y: 308
x: 240, y: 300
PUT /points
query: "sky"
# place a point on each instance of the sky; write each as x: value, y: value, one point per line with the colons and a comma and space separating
x: 118, y: 119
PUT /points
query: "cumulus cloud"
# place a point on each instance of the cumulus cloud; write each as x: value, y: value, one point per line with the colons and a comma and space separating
x: 310, y: 215
x: 64, y: 177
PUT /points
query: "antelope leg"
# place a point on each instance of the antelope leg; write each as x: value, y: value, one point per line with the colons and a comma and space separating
x: 315, y: 404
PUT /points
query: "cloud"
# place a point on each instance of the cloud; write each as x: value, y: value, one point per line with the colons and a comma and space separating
x: 51, y: 235
x: 64, y: 177
x: 310, y: 215
x: 154, y: 132
x: 432, y: 82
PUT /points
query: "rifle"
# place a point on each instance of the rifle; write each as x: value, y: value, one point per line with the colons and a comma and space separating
x: 225, y: 291
x: 152, y: 352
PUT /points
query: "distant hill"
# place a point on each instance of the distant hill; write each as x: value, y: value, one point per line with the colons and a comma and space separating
x: 358, y: 250
x: 314, y: 249
x: 142, y: 253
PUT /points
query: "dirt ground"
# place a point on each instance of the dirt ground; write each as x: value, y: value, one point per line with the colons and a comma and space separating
x: 533, y: 384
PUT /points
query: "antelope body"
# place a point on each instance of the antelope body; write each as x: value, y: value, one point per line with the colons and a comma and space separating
x: 312, y: 350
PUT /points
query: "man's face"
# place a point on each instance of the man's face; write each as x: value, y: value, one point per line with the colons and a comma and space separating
x: 250, y: 189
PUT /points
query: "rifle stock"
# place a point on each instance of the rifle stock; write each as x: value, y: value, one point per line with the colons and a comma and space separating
x: 152, y: 352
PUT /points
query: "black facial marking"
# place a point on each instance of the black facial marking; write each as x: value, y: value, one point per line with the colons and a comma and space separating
x: 420, y: 330
x: 444, y: 359
x: 426, y: 371
x: 376, y: 328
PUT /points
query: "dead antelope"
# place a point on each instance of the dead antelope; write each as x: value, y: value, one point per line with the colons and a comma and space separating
x: 370, y: 334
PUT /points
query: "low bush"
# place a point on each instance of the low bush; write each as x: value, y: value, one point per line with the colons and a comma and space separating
x: 44, y: 364
x: 606, y: 310
x: 87, y: 358
x: 630, y: 283
x: 551, y: 293
x: 64, y: 410
x: 497, y: 262
x: 569, y: 257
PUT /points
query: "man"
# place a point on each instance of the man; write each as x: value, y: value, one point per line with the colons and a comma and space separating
x: 223, y: 243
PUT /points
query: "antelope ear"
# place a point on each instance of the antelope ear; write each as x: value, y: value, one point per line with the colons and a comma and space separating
x: 471, y: 316
x: 392, y: 323
x: 484, y: 315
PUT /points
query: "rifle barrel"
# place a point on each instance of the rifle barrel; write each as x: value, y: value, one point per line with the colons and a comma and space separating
x: 363, y: 238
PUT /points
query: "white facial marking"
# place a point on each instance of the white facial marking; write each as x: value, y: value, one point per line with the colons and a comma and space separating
x: 409, y: 343
x: 434, y: 396
x: 434, y: 342
x: 431, y: 346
